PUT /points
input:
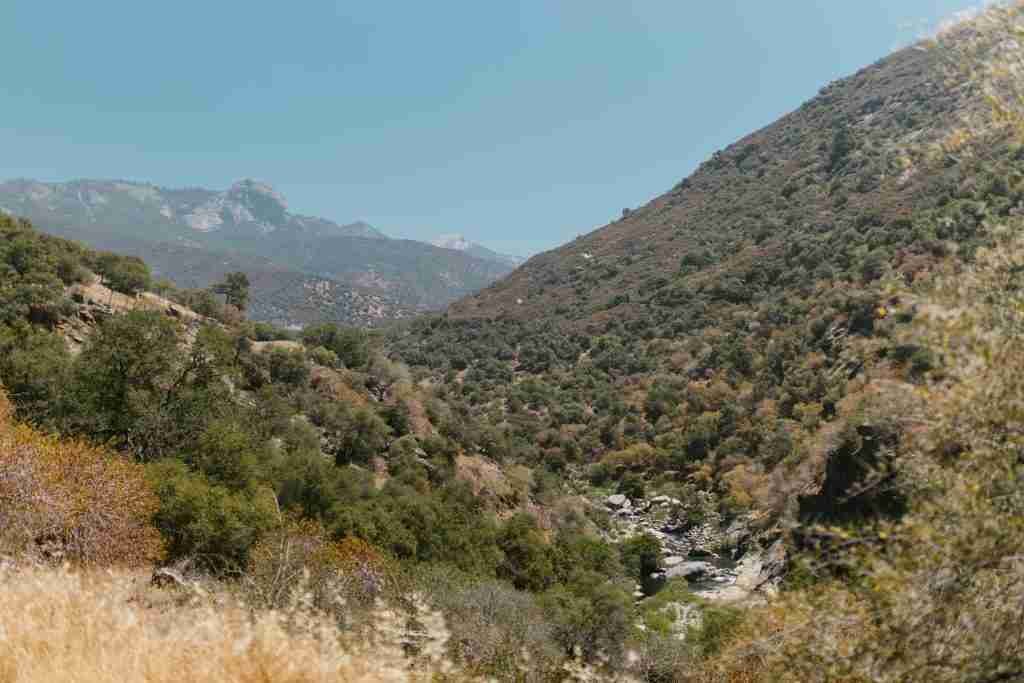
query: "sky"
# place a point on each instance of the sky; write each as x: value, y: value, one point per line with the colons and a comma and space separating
x: 519, y: 124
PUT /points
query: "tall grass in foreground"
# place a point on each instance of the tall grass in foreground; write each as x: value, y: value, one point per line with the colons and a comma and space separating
x: 57, y: 626
x: 61, y: 625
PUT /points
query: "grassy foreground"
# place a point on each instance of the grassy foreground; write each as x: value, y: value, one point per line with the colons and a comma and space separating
x: 56, y: 625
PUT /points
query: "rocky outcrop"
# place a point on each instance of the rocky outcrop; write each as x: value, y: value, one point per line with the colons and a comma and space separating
x: 94, y: 303
x: 726, y: 562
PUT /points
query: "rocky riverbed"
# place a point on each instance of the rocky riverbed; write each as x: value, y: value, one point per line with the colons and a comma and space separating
x: 722, y: 562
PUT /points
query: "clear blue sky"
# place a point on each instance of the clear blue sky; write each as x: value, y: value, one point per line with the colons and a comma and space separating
x: 520, y: 124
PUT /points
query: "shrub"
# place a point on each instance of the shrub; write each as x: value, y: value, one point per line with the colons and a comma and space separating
x: 495, y: 630
x: 206, y: 521
x: 288, y: 367
x: 73, y: 501
x: 349, y: 344
x: 527, y: 561
x: 590, y: 616
x: 298, y: 560
x: 641, y: 555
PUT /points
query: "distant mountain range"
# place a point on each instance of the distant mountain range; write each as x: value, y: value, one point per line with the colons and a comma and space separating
x: 304, y: 269
x: 460, y: 243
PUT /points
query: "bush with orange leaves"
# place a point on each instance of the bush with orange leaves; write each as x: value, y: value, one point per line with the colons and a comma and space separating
x: 67, y: 500
x: 299, y: 562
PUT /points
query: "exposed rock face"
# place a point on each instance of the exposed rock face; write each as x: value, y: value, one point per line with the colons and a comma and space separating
x: 95, y: 302
x: 246, y: 203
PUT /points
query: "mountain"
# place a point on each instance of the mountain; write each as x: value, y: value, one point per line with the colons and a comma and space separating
x: 143, y: 210
x: 460, y: 243
x: 730, y: 340
x: 305, y: 269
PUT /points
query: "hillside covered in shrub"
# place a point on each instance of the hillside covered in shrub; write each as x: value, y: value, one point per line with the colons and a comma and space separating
x: 723, y: 336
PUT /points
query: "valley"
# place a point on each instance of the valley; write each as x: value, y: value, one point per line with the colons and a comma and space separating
x: 765, y: 427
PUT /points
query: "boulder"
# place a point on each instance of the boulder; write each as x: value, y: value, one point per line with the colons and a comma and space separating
x: 689, y: 570
x: 673, y: 561
x: 617, y: 501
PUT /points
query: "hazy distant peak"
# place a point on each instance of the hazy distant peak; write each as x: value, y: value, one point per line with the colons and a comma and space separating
x: 453, y: 241
x: 362, y: 229
x: 249, y: 188
x: 460, y: 243
x: 249, y: 206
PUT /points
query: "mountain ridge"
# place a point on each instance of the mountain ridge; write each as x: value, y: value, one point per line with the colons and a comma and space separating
x: 250, y: 227
x: 459, y: 242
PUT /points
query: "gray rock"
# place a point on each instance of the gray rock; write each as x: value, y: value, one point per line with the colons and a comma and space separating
x: 617, y: 501
x: 673, y: 561
x: 689, y: 570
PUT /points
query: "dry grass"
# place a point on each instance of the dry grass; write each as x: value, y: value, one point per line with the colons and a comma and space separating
x: 57, y: 625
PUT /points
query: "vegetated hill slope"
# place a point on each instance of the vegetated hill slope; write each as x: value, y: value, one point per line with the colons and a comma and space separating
x: 721, y: 338
x: 306, y: 269
x: 279, y: 295
x: 807, y: 198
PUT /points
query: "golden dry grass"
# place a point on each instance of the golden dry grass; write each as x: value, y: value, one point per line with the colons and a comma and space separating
x: 58, y: 625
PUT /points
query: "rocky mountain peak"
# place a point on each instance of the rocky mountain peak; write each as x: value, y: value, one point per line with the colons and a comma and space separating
x: 248, y: 190
x: 459, y: 242
x: 251, y: 201
x: 453, y: 241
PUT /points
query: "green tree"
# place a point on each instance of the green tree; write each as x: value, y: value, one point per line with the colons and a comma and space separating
x: 351, y: 345
x: 122, y: 374
x: 126, y: 274
x: 206, y: 521
x: 527, y: 561
x: 235, y: 289
x: 641, y: 556
x: 288, y: 367
x: 34, y: 367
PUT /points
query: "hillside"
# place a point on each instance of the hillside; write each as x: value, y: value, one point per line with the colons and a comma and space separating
x: 279, y: 295
x: 724, y: 339
x: 806, y: 198
x: 305, y: 269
